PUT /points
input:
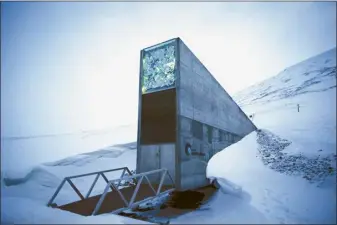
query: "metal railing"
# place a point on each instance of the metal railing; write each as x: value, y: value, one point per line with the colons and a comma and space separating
x: 131, y: 203
x: 98, y: 174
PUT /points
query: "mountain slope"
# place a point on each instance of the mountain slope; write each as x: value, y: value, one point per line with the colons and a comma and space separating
x: 298, y: 104
x: 312, y: 75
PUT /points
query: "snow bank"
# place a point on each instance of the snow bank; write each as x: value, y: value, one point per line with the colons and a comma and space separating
x: 279, y: 197
x: 40, y: 182
x: 39, y: 185
x: 227, y: 187
x: 102, y: 159
x: 38, y: 173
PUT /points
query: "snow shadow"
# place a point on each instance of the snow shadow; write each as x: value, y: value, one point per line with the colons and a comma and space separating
x: 230, y: 204
x: 230, y: 188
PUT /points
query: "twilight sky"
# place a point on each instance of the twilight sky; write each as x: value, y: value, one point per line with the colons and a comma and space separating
x: 71, y: 66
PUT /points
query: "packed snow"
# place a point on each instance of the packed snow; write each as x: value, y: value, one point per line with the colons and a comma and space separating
x: 46, y: 148
x: 266, y: 195
x: 285, y: 172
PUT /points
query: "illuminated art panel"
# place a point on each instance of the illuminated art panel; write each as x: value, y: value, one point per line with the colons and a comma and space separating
x: 159, y: 67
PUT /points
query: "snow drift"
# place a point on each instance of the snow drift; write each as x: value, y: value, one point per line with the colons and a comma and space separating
x: 279, y: 197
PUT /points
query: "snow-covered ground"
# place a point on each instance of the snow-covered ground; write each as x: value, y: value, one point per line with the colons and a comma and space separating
x: 23, y: 153
x: 25, y: 195
x: 284, y: 173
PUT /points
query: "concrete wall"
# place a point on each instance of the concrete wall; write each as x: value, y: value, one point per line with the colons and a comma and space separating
x: 153, y: 157
x: 193, y: 167
x: 203, y: 99
x: 208, y: 119
x: 148, y: 159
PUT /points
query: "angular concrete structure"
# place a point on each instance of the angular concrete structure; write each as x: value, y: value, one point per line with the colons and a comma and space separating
x: 184, y: 115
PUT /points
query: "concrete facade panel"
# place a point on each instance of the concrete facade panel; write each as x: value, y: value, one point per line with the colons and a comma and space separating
x: 212, y: 104
x: 167, y: 160
x: 155, y: 157
x: 193, y: 167
x: 185, y: 55
x: 190, y: 182
x: 204, y: 100
x: 149, y: 160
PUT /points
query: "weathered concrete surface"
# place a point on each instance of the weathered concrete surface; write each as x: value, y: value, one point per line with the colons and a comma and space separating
x: 153, y: 157
x: 221, y: 122
x: 149, y: 160
x: 167, y: 160
x: 193, y: 167
x: 203, y: 99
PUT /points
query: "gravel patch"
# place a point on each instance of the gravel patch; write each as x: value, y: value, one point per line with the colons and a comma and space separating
x: 312, y: 169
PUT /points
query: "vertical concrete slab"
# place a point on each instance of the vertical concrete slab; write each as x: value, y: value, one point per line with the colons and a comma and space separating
x: 211, y: 104
x: 149, y: 160
x: 167, y: 160
x: 203, y: 100
x: 153, y: 157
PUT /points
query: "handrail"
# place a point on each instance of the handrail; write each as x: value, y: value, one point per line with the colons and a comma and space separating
x: 99, y: 173
x: 93, y: 173
x: 114, y: 185
x: 131, y: 203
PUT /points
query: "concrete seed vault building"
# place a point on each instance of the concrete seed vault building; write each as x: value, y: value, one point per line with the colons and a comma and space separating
x: 184, y: 115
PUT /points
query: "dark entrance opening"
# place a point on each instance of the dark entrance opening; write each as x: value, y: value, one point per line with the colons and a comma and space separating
x: 158, y: 117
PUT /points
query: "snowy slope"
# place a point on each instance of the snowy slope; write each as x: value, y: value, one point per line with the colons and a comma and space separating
x: 316, y: 74
x: 283, y: 174
x: 23, y: 153
x: 311, y: 85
